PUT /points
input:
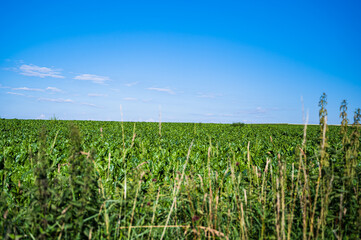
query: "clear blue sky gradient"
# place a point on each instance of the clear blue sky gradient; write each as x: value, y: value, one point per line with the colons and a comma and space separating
x: 193, y: 61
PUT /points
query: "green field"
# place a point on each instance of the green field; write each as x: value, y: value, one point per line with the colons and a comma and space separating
x: 114, y: 180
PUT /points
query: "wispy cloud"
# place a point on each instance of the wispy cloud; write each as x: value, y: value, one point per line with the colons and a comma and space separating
x: 29, y: 89
x: 131, y: 84
x: 13, y: 93
x: 130, y: 99
x: 57, y: 100
x: 53, y: 89
x: 97, y: 95
x: 89, y: 105
x: 167, y: 90
x: 93, y: 78
x: 36, y: 71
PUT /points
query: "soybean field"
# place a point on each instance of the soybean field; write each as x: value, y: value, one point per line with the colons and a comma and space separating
x: 125, y: 180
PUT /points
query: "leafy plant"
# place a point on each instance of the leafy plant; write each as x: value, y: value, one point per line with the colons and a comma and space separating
x: 111, y: 180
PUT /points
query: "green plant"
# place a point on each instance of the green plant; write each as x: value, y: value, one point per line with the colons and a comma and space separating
x: 111, y: 180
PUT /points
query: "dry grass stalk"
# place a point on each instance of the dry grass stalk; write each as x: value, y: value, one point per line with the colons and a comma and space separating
x: 200, y: 178
x: 303, y: 203
x: 210, y: 186
x: 154, y: 209
x: 263, y: 199
x: 238, y: 201
x: 324, y: 209
x: 216, y: 211
x: 229, y: 221
x: 90, y: 233
x: 283, y: 222
x: 206, y: 229
x: 140, y: 165
x: 248, y: 155
x: 340, y: 214
x: 315, y: 201
x: 178, y: 188
x: 125, y: 178
x: 204, y: 201
x: 244, y: 230
x: 135, y: 203
x: 61, y: 231
x: 134, y: 135
x: 294, y: 193
x: 278, y: 208
x: 106, y: 218
x: 245, y: 196
x: 52, y: 145
x: 294, y: 188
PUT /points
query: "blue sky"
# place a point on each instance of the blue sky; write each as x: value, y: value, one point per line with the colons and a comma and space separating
x: 193, y: 61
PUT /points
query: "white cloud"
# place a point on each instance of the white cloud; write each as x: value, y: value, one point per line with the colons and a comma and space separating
x: 36, y: 71
x: 97, y: 95
x: 131, y: 84
x: 53, y: 89
x: 13, y: 93
x: 58, y: 100
x: 167, y: 90
x: 93, y: 78
x: 42, y: 116
x: 29, y: 89
x: 130, y: 99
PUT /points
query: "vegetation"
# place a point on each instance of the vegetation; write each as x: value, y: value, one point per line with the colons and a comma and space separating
x: 111, y: 180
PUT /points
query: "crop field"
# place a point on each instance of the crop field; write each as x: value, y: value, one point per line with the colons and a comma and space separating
x: 124, y: 180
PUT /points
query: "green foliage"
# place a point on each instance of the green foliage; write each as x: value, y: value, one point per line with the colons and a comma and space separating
x: 238, y: 124
x: 323, y: 125
x: 111, y: 180
x: 323, y: 111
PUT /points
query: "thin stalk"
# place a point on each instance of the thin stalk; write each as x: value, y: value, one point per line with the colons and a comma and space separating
x: 315, y: 201
x: 210, y: 186
x: 178, y: 188
x: 134, y: 204
x: 263, y: 199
